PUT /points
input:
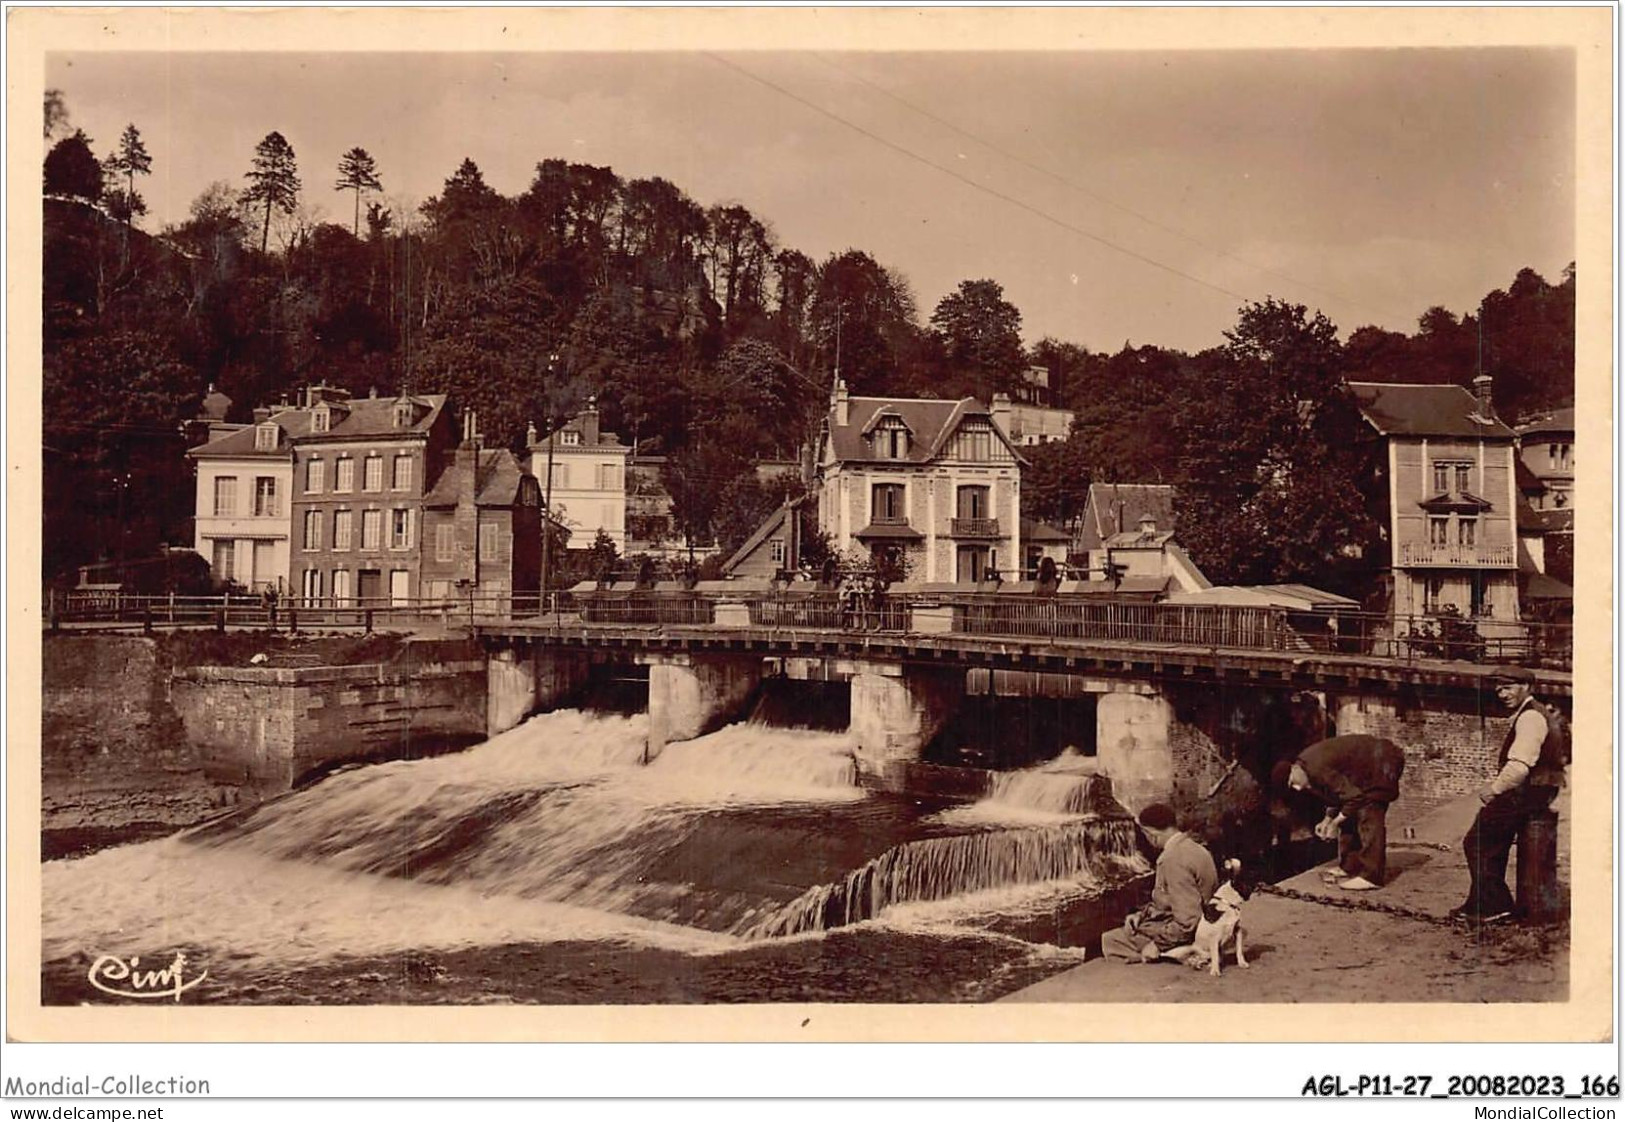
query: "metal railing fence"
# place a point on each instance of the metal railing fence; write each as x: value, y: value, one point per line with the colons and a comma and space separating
x: 1054, y: 618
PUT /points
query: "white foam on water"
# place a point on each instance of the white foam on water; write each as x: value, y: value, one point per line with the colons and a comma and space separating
x: 168, y: 894
x: 539, y: 834
x: 1053, y: 793
x: 747, y: 764
x: 975, y: 909
x: 1085, y: 853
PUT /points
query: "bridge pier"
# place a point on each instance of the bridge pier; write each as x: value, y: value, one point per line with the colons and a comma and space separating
x: 691, y: 694
x: 510, y: 688
x: 896, y: 712
x: 1132, y: 744
x: 521, y: 680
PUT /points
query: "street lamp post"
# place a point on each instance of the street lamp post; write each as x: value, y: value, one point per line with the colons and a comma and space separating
x: 551, y: 420
x: 547, y: 517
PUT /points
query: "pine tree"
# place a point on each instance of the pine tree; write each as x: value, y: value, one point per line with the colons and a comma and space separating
x: 273, y: 180
x: 358, y: 173
x: 130, y: 160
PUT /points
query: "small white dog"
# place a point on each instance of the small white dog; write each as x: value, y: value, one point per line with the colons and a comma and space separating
x: 1220, y: 928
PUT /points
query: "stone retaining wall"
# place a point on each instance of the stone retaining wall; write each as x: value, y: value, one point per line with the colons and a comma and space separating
x: 268, y: 728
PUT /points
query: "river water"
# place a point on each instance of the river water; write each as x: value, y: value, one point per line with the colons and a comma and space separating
x: 553, y: 864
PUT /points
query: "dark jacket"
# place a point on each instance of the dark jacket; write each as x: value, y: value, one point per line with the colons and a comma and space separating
x: 1348, y: 772
x: 1548, y: 770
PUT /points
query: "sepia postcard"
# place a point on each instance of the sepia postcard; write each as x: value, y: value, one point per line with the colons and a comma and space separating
x: 810, y: 525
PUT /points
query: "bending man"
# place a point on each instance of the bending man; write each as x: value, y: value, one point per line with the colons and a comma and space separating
x: 1356, y: 777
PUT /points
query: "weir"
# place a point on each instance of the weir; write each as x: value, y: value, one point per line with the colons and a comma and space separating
x: 559, y: 830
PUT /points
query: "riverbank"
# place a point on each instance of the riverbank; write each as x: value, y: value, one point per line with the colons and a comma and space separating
x: 1309, y: 950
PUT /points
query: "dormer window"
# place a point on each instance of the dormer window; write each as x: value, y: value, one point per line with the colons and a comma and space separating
x: 569, y: 439
x: 404, y: 414
x: 321, y: 418
x: 889, y: 437
x: 265, y: 438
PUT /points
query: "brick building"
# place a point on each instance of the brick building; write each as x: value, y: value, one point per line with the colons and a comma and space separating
x: 361, y: 468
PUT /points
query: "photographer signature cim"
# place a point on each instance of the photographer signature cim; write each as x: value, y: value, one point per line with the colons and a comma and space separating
x: 113, y: 975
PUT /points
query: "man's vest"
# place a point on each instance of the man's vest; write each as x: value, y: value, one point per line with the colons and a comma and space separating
x: 1548, y: 770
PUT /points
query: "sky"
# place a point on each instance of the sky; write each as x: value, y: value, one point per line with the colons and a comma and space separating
x: 1118, y: 196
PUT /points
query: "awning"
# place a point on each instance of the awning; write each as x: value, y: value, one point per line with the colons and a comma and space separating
x: 889, y: 531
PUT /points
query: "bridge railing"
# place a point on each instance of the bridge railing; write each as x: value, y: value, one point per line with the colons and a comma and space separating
x: 1055, y: 618
x: 1123, y: 621
x: 825, y: 609
x: 647, y: 608
x: 164, y: 610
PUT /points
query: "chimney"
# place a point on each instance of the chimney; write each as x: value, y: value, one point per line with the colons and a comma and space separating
x: 1003, y: 414
x: 589, y: 423
x: 838, y: 398
x: 372, y: 393
x: 1481, y: 390
x: 1148, y: 524
x: 262, y: 413
x: 530, y: 434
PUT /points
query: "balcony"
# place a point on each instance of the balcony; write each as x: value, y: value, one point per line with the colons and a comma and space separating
x: 1417, y: 554
x: 974, y: 528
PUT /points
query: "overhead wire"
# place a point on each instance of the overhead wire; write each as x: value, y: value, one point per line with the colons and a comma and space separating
x: 1021, y: 204
x: 1095, y: 195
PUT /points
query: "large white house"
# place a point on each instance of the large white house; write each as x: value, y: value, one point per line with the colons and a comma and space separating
x: 588, y: 491
x: 934, y: 483
x: 244, y: 502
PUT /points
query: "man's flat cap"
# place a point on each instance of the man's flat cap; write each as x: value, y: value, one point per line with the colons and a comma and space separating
x: 1157, y: 816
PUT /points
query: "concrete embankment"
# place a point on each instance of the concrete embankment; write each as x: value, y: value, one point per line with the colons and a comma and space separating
x: 142, y: 736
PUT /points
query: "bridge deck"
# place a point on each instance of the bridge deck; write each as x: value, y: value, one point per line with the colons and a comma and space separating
x: 1289, y: 668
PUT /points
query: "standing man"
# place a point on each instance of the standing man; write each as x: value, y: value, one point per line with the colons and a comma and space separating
x: 1531, y: 763
x: 1356, y: 777
x: 1185, y: 880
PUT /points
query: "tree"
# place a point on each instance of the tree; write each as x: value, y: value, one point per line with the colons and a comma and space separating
x: 1055, y: 486
x: 980, y: 332
x: 56, y: 113
x: 130, y: 159
x: 697, y: 477
x: 862, y: 321
x: 357, y: 173
x: 494, y: 350
x: 72, y: 169
x: 771, y: 400
x: 739, y: 251
x: 475, y: 230
x: 1276, y: 456
x: 125, y: 205
x: 602, y: 554
x: 273, y: 181
x: 1126, y: 406
x: 1069, y: 366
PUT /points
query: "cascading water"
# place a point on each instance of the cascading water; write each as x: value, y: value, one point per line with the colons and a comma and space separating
x: 936, y: 868
x: 561, y: 832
